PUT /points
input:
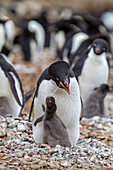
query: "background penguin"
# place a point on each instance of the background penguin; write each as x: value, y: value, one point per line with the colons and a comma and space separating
x: 94, y: 105
x: 72, y: 44
x: 54, y: 131
x: 92, y: 68
x: 59, y: 81
x: 10, y: 87
x: 84, y: 46
x: 7, y: 33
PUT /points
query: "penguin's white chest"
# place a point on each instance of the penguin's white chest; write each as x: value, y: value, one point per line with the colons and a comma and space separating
x: 4, y: 84
x: 94, y: 73
x: 68, y: 105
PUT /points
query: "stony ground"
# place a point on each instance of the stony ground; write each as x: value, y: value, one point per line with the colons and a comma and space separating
x: 18, y: 150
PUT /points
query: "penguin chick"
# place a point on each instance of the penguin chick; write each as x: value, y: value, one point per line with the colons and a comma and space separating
x: 95, y: 105
x: 10, y: 88
x: 59, y: 81
x: 54, y: 131
x: 5, y: 107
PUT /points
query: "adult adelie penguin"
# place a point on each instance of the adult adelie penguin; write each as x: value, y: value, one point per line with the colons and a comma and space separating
x: 11, y: 91
x: 92, y: 68
x: 59, y: 81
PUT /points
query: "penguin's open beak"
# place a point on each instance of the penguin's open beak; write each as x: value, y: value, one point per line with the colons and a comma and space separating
x: 65, y: 85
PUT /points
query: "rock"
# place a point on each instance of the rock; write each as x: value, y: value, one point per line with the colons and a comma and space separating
x: 3, y: 132
x: 21, y: 127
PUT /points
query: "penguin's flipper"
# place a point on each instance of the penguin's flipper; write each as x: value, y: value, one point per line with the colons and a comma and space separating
x: 43, y: 108
x: 28, y: 94
x: 13, y: 88
x: 31, y: 109
x: 77, y: 69
x: 38, y: 120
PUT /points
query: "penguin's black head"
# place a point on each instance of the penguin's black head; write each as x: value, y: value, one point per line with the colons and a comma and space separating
x: 104, y: 89
x: 99, y: 46
x: 59, y: 72
x: 50, y: 102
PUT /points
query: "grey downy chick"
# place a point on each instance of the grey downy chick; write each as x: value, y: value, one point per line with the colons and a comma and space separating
x: 54, y: 131
x: 5, y: 107
x: 95, y: 105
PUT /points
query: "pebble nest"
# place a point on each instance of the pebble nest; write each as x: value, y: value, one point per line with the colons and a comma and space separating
x: 19, y: 151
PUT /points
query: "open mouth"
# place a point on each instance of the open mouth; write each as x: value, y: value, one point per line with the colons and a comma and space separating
x: 66, y: 87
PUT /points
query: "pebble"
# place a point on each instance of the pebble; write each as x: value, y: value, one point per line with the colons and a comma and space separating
x: 19, y: 149
x: 2, y: 132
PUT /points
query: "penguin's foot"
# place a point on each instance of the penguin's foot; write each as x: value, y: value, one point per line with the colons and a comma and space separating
x: 45, y: 145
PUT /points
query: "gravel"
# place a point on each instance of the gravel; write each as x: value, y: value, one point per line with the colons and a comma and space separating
x: 19, y: 151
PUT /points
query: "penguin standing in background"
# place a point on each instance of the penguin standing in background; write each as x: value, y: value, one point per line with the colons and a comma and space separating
x: 11, y: 92
x: 58, y: 81
x: 72, y: 44
x: 7, y: 31
x: 91, y: 69
x: 38, y: 46
x: 54, y: 131
x: 84, y: 46
x: 95, y: 104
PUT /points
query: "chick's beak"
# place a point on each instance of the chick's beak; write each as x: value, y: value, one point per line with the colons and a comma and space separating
x: 65, y: 85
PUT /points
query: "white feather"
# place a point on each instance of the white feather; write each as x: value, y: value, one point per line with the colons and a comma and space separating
x: 107, y: 19
x: 34, y: 51
x: 60, y: 39
x: 36, y: 27
x: 52, y: 41
x: 77, y: 40
x: 10, y: 30
x: 95, y: 72
x: 68, y: 108
x: 2, y: 36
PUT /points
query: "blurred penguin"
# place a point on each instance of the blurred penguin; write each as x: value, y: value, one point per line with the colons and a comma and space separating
x: 95, y: 103
x: 91, y: 69
x: 11, y: 91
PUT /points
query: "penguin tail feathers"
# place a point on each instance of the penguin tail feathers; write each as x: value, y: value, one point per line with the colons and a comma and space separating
x: 29, y: 94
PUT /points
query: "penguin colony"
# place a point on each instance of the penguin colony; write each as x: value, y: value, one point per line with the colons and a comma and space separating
x: 78, y: 78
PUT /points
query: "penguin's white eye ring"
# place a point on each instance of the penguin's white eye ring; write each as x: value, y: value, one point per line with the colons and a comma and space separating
x: 104, y: 49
